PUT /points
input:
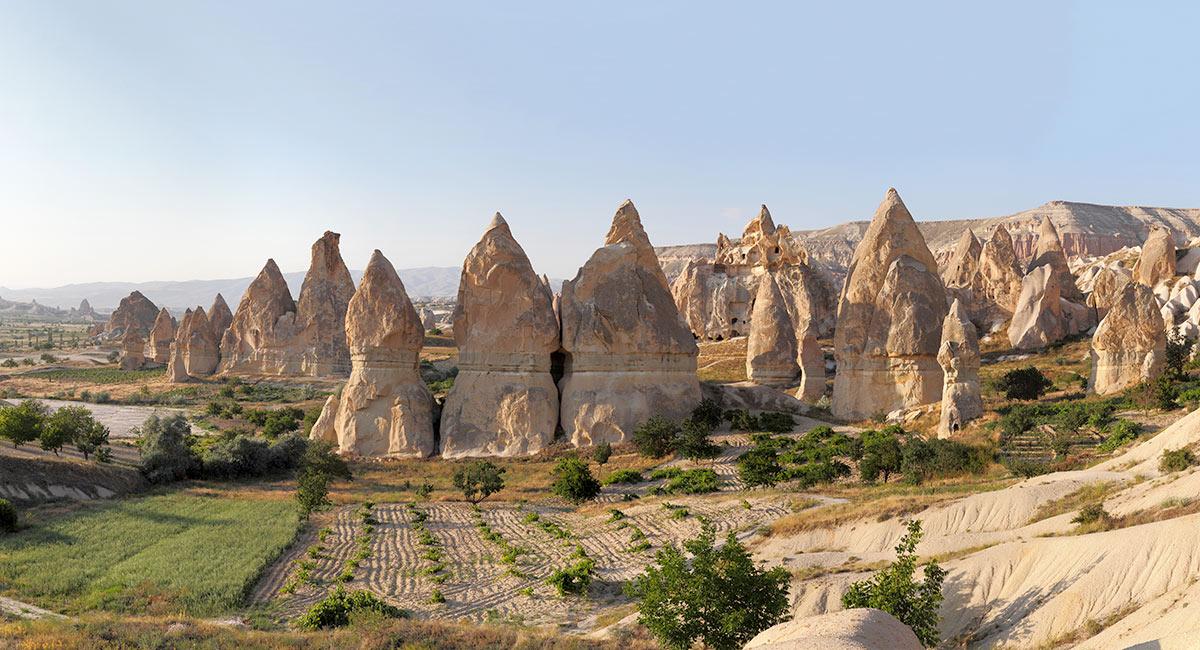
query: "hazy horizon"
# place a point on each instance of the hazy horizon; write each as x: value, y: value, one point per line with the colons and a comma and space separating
x: 143, y: 141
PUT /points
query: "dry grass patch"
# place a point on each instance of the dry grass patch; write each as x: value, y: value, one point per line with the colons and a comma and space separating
x: 1091, y: 493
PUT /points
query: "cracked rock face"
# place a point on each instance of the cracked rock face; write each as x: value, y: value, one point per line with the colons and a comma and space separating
x: 384, y: 409
x: 504, y: 401
x: 1157, y: 261
x: 158, y: 344
x: 889, y: 320
x: 628, y: 353
x: 1130, y: 344
x: 959, y: 358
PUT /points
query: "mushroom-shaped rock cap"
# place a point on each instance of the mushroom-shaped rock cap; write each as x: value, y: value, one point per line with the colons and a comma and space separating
x: 380, y: 315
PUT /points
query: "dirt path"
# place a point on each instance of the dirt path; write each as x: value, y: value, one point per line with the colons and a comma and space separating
x: 18, y: 609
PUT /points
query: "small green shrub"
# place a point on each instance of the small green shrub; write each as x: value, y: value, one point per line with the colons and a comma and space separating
x: 1176, y: 460
x: 336, y: 609
x: 1090, y: 513
x: 694, y: 481
x: 8, y: 516
x: 1026, y: 383
x: 573, y: 481
x: 624, y: 476
x: 655, y: 437
x: 576, y: 577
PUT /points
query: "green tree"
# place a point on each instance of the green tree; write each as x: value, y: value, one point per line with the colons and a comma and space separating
x: 573, y: 480
x: 655, y: 437
x: 693, y: 443
x: 319, y: 465
x: 1179, y: 349
x: 8, y: 516
x: 1024, y: 383
x: 760, y: 466
x: 881, y: 454
x: 719, y: 598
x: 166, y: 449
x: 74, y: 425
x: 479, y: 480
x: 896, y: 591
x: 24, y: 422
x: 602, y: 453
x: 92, y: 438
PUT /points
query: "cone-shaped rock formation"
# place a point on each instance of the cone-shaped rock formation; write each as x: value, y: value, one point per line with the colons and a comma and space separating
x: 1130, y: 344
x: 771, y: 349
x: 1049, y: 251
x: 158, y: 344
x: 959, y: 358
x: 263, y: 329
x: 321, y: 310
x: 134, y: 311
x: 219, y: 316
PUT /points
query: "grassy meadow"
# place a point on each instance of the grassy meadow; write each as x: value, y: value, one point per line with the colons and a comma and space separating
x: 194, y: 552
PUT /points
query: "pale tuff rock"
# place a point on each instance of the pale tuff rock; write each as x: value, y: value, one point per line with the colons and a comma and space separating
x: 219, y: 316
x: 807, y: 296
x: 1130, y: 344
x: 962, y: 269
x: 1000, y: 272
x: 1157, y: 261
x: 771, y: 349
x: 959, y: 358
x: 198, y: 343
x: 263, y: 328
x: 503, y: 401
x: 1106, y: 288
x: 85, y: 310
x: 384, y: 409
x: 176, y: 367
x: 158, y: 344
x: 324, y: 428
x: 1049, y: 251
x: 628, y: 354
x: 848, y: 629
x: 715, y: 295
x: 132, y: 346
x: 1038, y: 319
x: 428, y: 319
x: 135, y: 311
x: 321, y: 311
x: 889, y: 320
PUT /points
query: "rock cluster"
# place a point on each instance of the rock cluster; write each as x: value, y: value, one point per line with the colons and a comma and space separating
x: 158, y: 344
x: 889, y: 320
x: 1042, y: 315
x: 962, y: 271
x: 1049, y: 252
x: 771, y: 350
x: 504, y: 401
x: 1129, y: 345
x: 628, y: 353
x: 1157, y: 261
x: 385, y: 408
x: 132, y: 350
x: 271, y: 334
x: 959, y: 358
x: 135, y: 311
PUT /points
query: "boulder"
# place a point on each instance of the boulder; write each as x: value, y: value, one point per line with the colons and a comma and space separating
x: 628, y: 355
x: 1130, y: 344
x: 324, y: 428
x: 132, y: 349
x: 321, y: 312
x: 135, y: 311
x: 219, y: 316
x: 384, y: 409
x: 889, y: 320
x: 1049, y: 252
x: 847, y: 629
x: 1106, y: 288
x: 771, y: 350
x: 158, y: 344
x: 261, y: 336
x: 1038, y: 320
x: 504, y: 401
x: 1157, y: 261
x: 959, y: 358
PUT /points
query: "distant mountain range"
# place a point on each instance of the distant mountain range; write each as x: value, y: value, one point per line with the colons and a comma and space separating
x: 430, y: 282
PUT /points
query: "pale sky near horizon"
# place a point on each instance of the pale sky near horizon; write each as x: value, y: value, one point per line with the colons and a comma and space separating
x: 144, y: 140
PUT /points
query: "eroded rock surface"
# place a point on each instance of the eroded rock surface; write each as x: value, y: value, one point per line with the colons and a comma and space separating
x: 628, y: 354
x: 504, y: 401
x: 321, y: 311
x: 132, y: 350
x: 889, y: 320
x: 1049, y: 252
x: 158, y: 344
x: 135, y: 311
x: 261, y: 337
x: 1130, y: 344
x: 959, y: 358
x: 1157, y: 261
x: 771, y: 350
x: 1038, y: 319
x: 219, y: 316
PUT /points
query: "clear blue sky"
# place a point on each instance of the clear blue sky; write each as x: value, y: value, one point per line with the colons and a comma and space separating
x: 176, y: 140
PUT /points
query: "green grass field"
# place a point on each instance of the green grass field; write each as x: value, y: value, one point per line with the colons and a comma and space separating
x: 176, y: 552
x: 106, y: 375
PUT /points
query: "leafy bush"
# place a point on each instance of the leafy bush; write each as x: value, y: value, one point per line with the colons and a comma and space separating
x: 1121, y: 433
x: 8, y: 516
x: 1176, y: 460
x: 75, y: 425
x: 281, y: 421
x: 24, y: 422
x: 166, y: 449
x: 576, y: 578
x: 602, y: 453
x: 573, y: 480
x: 1026, y: 468
x: 936, y: 458
x: 694, y: 481
x: 881, y: 454
x: 479, y: 480
x: 719, y: 598
x: 336, y: 609
x: 708, y: 413
x: 776, y: 422
x: 1090, y: 513
x: 1179, y: 348
x: 1026, y: 383
x: 693, y: 443
x: 760, y: 466
x: 624, y: 476
x: 895, y: 591
x: 655, y: 437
